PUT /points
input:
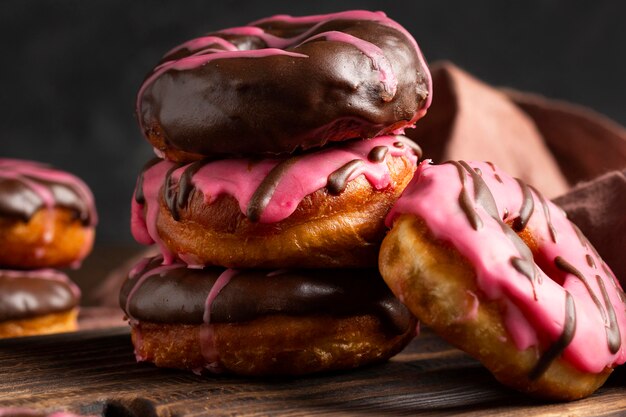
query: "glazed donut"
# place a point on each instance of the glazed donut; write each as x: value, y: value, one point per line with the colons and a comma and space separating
x: 37, y: 302
x: 47, y: 217
x: 260, y: 322
x: 495, y: 269
x: 282, y: 84
x: 320, y: 209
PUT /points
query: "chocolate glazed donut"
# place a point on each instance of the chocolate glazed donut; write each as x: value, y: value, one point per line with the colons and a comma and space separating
x: 283, y: 84
x: 262, y: 322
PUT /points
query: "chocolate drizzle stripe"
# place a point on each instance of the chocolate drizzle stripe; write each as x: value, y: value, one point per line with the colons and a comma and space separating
x: 581, y: 237
x: 338, y: 180
x: 565, y: 266
x: 465, y: 201
x: 263, y: 194
x: 612, y: 332
x: 590, y: 261
x: 402, y: 140
x: 140, y: 197
x: 527, y: 208
x: 482, y: 194
x: 170, y: 194
x: 567, y: 335
x: 185, y: 184
x: 377, y: 154
x: 478, y: 171
x: 526, y: 268
x: 546, y: 213
x: 495, y: 174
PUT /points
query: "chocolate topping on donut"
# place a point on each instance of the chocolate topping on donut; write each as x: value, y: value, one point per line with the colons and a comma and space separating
x: 176, y: 294
x: 283, y: 84
x: 556, y: 349
x: 27, y: 294
x: 26, y: 187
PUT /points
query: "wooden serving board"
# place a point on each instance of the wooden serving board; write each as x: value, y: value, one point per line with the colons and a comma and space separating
x: 94, y: 372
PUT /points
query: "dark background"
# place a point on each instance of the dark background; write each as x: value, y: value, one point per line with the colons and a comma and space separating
x: 70, y: 69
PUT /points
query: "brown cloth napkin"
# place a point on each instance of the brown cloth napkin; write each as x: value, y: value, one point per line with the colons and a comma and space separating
x: 598, y: 208
x: 548, y: 143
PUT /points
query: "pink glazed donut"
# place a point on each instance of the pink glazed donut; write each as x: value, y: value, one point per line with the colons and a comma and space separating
x: 317, y: 210
x: 497, y: 270
x: 284, y: 84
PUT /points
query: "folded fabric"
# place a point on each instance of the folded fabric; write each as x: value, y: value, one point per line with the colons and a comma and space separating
x: 598, y: 208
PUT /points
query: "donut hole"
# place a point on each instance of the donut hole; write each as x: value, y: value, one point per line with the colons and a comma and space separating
x: 543, y: 263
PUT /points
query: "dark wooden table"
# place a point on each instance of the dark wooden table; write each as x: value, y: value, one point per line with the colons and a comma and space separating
x: 94, y: 372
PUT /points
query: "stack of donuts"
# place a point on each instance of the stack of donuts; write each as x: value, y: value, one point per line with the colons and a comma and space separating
x: 47, y: 221
x: 279, y: 154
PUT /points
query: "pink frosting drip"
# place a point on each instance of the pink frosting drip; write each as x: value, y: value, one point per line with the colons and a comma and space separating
x: 277, y: 44
x: 240, y: 178
x: 220, y: 283
x: 534, y: 312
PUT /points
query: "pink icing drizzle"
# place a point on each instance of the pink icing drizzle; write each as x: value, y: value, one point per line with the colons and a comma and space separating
x: 534, y: 311
x: 220, y: 283
x: 241, y: 177
x: 277, y: 44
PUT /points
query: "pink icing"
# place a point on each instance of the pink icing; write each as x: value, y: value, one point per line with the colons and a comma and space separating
x: 220, y: 283
x: 240, y: 178
x: 534, y: 311
x: 208, y: 350
x: 277, y: 44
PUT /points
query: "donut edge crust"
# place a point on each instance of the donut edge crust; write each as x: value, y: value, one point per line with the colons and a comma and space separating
x: 325, y: 230
x: 23, y: 245
x: 434, y: 281
x: 46, y: 324
x: 273, y: 345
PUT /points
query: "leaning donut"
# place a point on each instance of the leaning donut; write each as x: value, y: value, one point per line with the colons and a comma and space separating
x: 284, y: 83
x: 500, y: 272
x: 37, y: 302
x: 320, y: 209
x: 47, y: 217
x: 260, y: 322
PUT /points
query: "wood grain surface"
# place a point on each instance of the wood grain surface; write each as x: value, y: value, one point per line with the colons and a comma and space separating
x: 94, y: 372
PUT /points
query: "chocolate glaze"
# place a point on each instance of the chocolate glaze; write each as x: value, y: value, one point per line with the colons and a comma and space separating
x: 26, y: 187
x: 285, y: 84
x: 555, y: 350
x: 612, y: 333
x: 178, y: 295
x: 27, y: 294
x: 527, y: 208
x: 546, y: 213
x: 565, y: 266
x: 338, y: 180
x: 263, y: 194
x: 378, y: 154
